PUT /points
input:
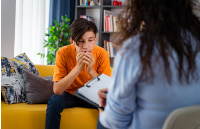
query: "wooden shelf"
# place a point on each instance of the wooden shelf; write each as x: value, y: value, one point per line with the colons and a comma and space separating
x: 111, y: 6
x: 78, y: 6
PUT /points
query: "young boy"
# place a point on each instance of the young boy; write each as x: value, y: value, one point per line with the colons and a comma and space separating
x: 75, y: 65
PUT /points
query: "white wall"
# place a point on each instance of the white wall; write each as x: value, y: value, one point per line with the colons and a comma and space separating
x: 7, y: 27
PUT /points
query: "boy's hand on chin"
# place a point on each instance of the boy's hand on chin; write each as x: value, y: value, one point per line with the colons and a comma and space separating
x: 79, y: 60
x: 89, y: 60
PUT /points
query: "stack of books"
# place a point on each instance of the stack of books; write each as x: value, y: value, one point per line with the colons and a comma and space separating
x: 111, y: 23
x: 90, y: 2
x: 109, y: 48
x: 87, y: 17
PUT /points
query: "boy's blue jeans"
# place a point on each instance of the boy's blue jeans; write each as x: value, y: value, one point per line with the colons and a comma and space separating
x: 57, y: 103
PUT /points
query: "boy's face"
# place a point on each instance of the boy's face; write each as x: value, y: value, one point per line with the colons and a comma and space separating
x: 86, y: 42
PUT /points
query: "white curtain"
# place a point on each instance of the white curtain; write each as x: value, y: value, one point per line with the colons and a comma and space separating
x: 31, y: 23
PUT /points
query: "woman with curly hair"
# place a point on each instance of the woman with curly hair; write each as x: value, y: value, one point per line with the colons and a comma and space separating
x: 157, y: 67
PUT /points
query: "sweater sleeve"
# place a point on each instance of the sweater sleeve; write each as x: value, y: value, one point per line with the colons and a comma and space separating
x: 60, y: 67
x: 104, y: 63
x: 118, y: 113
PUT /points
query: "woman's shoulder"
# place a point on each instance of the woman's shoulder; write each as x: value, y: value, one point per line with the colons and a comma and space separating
x: 130, y: 46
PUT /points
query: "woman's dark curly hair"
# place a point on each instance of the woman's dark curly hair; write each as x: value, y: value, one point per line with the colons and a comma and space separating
x: 166, y: 24
x: 79, y: 27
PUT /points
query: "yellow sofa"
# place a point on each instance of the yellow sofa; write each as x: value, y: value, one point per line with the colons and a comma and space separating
x: 32, y: 116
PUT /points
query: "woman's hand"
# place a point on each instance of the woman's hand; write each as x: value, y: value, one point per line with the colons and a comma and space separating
x: 100, y: 111
x: 102, y: 97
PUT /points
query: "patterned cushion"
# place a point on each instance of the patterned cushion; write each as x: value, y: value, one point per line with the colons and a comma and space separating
x: 22, y: 62
x: 17, y: 65
x: 10, y: 84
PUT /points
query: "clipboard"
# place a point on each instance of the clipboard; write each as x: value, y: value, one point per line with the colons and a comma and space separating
x: 89, y: 92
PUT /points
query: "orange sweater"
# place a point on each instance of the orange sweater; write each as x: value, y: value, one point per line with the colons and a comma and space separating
x: 66, y: 61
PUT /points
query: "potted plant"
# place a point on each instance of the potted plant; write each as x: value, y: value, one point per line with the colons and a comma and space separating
x: 58, y: 37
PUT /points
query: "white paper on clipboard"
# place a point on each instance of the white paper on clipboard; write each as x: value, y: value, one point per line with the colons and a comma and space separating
x: 91, y: 88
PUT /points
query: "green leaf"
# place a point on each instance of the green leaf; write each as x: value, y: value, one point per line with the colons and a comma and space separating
x: 55, y: 21
x: 41, y: 55
x: 54, y: 37
x: 48, y: 61
x: 65, y: 34
x: 47, y: 34
x: 66, y: 26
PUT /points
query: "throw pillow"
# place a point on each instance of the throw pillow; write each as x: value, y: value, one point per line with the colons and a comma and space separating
x: 37, y: 89
x: 10, y: 84
x: 22, y: 62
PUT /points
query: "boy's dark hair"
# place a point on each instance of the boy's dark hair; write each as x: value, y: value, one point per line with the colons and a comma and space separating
x: 79, y: 27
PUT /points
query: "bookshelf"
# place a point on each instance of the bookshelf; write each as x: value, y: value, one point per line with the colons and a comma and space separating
x: 97, y: 12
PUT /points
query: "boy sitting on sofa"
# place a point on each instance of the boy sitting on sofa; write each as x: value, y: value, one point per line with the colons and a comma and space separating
x: 75, y: 65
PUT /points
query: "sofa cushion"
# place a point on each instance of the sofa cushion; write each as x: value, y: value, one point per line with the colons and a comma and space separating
x: 32, y: 116
x: 37, y: 89
x: 22, y: 62
x: 10, y: 84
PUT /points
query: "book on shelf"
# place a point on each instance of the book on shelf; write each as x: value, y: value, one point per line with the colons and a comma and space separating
x: 104, y: 45
x: 109, y: 48
x: 108, y: 24
x: 90, y: 2
x: 89, y: 18
x: 114, y: 24
x: 81, y: 2
x: 111, y: 23
x: 107, y: 14
x: 118, y: 25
